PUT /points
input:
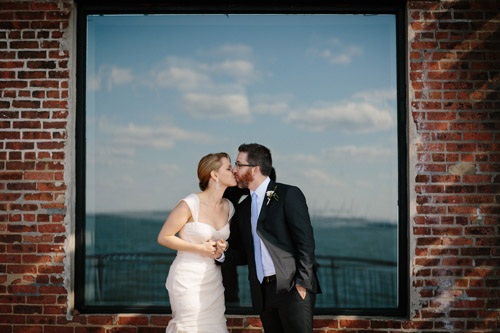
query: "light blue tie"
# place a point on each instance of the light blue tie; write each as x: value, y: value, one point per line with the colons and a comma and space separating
x: 256, y: 239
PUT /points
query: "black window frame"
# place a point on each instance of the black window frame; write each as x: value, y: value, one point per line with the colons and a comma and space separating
x: 395, y: 7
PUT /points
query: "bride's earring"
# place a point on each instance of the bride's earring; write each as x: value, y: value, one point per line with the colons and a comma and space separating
x: 217, y: 184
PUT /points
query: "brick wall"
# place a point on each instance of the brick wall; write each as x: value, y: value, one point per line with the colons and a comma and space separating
x: 454, y: 121
x: 454, y: 73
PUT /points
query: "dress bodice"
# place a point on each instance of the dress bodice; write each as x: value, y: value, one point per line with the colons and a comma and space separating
x: 200, y: 232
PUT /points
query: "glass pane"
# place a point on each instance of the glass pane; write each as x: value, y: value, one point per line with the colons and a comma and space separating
x: 165, y: 90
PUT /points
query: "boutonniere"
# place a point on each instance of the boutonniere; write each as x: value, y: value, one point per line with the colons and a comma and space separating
x: 243, y: 197
x: 272, y: 195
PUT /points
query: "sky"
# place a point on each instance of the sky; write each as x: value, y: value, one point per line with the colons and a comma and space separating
x: 318, y: 90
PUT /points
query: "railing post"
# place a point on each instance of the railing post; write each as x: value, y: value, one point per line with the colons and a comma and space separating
x: 100, y: 276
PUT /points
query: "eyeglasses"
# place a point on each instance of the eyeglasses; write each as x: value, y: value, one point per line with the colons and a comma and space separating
x: 239, y: 165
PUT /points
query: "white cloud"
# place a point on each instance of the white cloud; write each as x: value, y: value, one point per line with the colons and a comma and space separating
x: 161, y: 137
x: 347, y: 116
x: 365, y: 111
x: 113, y: 76
x: 190, y: 75
x: 106, y: 151
x: 336, y: 52
x: 216, y: 106
x: 273, y: 104
x: 169, y: 169
x: 335, y: 154
x: 94, y: 82
x: 376, y: 96
x: 317, y: 176
x: 229, y: 51
x: 119, y: 76
x: 357, y: 153
x: 181, y: 78
x: 272, y: 108
x: 302, y: 158
x: 241, y: 70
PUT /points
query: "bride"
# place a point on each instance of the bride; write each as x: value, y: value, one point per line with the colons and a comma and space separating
x: 201, y: 220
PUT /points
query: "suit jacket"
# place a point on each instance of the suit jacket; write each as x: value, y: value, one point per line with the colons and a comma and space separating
x: 285, y: 228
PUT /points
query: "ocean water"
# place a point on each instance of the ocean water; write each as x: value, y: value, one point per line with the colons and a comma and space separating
x: 119, y: 245
x: 137, y: 232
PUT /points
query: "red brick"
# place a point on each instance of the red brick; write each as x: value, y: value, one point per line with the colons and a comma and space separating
x: 456, y: 241
x: 19, y: 145
x: 447, y: 231
x: 32, y: 75
x: 427, y: 262
x: 480, y: 231
x: 132, y: 320
x: 355, y: 323
x: 325, y: 323
x: 101, y: 320
x: 50, y: 145
x: 9, y: 196
x: 52, y: 290
x: 478, y: 272
x: 52, y: 228
x: 444, y: 252
x: 38, y: 175
x: 457, y: 262
x: 45, y: 320
x: 20, y: 269
x: 476, y: 178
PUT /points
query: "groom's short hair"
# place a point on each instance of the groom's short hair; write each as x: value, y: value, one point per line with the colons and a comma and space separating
x: 258, y: 155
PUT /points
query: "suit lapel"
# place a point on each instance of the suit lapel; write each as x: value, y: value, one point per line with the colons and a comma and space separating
x: 245, y: 206
x: 263, y: 209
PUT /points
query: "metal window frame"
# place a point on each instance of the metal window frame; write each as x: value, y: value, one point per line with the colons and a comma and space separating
x: 395, y: 7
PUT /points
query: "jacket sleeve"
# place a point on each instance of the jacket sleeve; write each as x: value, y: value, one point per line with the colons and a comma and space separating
x: 301, y: 232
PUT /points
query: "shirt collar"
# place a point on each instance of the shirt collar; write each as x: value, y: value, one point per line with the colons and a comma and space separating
x: 261, y: 190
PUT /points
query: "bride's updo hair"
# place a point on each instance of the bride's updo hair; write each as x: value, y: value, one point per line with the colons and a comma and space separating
x: 208, y: 164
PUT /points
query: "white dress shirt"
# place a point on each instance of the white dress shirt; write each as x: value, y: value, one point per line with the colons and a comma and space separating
x: 267, y: 261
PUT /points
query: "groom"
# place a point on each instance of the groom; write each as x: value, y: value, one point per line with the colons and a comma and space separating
x: 273, y: 235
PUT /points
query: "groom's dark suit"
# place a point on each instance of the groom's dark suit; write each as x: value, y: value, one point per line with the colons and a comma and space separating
x: 285, y: 228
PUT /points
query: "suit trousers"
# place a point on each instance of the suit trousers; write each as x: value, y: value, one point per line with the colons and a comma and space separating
x: 286, y: 312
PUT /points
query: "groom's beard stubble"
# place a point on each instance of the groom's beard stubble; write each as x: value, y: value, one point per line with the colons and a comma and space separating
x: 245, y: 179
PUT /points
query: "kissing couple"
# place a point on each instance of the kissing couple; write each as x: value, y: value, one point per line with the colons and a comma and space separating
x: 270, y: 231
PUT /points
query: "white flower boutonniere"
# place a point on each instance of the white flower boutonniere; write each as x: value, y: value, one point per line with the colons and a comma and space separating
x: 272, y: 195
x: 243, y: 197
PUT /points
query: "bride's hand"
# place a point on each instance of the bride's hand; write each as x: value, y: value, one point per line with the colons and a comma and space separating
x: 209, y: 248
x: 222, y: 246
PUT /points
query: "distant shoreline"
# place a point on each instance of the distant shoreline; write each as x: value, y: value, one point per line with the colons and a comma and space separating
x: 318, y: 221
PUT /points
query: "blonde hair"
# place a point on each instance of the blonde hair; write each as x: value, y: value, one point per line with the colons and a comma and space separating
x: 209, y: 163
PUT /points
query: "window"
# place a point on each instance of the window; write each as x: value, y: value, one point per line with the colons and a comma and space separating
x: 322, y: 90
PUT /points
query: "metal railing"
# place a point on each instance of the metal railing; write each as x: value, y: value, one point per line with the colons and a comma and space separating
x: 139, y: 278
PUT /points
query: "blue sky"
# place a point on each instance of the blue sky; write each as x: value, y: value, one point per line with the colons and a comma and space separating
x: 318, y: 90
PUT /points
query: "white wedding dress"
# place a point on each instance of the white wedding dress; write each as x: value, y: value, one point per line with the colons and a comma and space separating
x: 194, y: 282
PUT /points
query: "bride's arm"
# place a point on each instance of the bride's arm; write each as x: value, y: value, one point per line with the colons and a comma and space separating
x: 175, y: 221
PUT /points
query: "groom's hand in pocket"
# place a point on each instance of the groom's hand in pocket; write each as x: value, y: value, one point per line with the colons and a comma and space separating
x: 302, y: 291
